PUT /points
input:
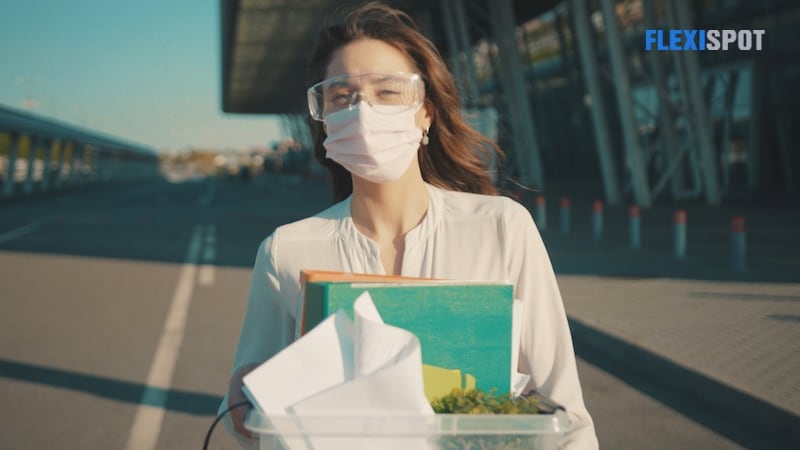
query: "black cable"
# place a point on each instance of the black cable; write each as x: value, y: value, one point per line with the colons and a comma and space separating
x: 219, y: 417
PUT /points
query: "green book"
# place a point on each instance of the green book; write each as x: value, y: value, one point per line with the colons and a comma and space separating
x: 464, y: 327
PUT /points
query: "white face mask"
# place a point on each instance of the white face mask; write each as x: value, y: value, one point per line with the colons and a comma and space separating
x: 376, y: 146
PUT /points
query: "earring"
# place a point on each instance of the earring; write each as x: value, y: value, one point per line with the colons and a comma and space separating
x: 425, y: 139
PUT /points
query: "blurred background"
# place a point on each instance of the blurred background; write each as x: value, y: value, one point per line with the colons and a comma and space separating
x: 146, y: 149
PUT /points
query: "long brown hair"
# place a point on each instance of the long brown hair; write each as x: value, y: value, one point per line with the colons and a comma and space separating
x: 457, y: 156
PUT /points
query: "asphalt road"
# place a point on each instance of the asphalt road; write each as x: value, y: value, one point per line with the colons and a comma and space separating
x: 120, y: 308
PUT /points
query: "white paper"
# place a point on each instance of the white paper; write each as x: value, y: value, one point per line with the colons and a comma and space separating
x: 341, y: 368
x: 321, y: 359
x: 378, y: 345
x: 518, y: 380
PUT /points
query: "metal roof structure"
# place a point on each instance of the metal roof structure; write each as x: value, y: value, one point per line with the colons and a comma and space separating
x: 266, y: 45
x: 30, y: 124
x: 574, y: 50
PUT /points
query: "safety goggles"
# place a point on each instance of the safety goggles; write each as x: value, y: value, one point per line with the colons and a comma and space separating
x: 386, y: 92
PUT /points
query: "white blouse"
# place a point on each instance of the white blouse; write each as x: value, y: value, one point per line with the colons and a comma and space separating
x: 462, y: 236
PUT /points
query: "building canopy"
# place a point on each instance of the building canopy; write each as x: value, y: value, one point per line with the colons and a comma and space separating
x: 266, y: 45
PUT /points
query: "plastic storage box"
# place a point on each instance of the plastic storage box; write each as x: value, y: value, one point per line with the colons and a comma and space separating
x: 404, y: 432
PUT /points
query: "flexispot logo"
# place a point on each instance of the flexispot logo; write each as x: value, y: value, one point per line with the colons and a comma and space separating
x: 702, y: 40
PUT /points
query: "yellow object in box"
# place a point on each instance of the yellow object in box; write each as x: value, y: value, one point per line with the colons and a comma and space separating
x: 440, y: 381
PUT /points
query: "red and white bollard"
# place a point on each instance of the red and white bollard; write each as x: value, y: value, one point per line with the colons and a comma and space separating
x: 679, y: 235
x: 738, y: 244
x: 597, y: 220
x: 566, y: 204
x: 541, y: 211
x: 635, y: 229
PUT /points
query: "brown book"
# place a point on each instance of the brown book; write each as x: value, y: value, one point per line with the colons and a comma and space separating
x: 307, y: 276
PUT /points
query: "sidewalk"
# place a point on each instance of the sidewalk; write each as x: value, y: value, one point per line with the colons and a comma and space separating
x: 729, y: 338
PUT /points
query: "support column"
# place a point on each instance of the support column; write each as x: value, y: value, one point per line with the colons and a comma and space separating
x: 85, y: 164
x: 304, y: 132
x: 757, y: 105
x: 666, y: 118
x: 13, y: 149
x: 598, y: 108
x: 700, y: 111
x: 726, y: 153
x: 522, y: 120
x: 483, y: 118
x: 48, y: 158
x: 569, y: 57
x: 285, y: 129
x: 690, y: 125
x: 296, y: 126
x: 35, y: 144
x: 785, y: 146
x: 113, y: 165
x: 62, y: 154
x: 783, y: 128
x: 74, y: 165
x: 303, y: 138
x: 448, y: 18
x: 471, y: 90
x: 633, y: 150
x: 97, y: 157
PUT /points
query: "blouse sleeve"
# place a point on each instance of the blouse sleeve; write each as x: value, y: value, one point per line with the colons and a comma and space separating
x: 266, y: 325
x: 546, y: 351
x: 266, y: 328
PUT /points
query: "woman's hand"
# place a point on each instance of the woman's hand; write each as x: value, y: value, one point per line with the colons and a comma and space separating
x: 236, y: 395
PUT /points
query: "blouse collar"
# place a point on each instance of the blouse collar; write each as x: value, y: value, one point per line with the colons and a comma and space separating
x: 416, y: 236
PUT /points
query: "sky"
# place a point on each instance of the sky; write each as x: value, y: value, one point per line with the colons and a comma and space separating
x: 147, y: 71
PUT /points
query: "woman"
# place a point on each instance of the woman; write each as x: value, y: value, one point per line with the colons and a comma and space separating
x: 414, y: 198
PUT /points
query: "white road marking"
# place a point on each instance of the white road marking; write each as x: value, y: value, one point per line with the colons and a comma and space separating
x: 207, y: 270
x: 208, y: 197
x: 150, y: 414
x: 19, y: 232
x: 207, y: 274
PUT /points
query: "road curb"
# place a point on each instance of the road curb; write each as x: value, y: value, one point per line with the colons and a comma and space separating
x: 723, y: 400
